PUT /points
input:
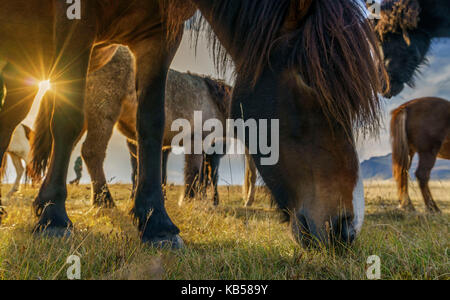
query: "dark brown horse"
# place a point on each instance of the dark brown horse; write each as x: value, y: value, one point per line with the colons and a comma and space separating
x: 52, y: 46
x: 311, y: 65
x: 420, y: 126
x: 406, y: 30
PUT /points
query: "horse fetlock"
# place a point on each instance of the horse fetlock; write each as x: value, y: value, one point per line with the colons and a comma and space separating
x: 433, y: 208
x: 2, y: 214
x: 159, y: 231
x: 103, y: 199
x: 408, y: 206
x: 53, y: 222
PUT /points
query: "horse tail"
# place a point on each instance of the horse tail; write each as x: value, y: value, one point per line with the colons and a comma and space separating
x: 41, y: 140
x: 3, y: 167
x: 400, y: 149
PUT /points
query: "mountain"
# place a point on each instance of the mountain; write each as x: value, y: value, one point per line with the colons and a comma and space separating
x: 381, y: 168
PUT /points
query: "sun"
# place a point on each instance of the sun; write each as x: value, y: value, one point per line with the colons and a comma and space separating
x: 44, y: 86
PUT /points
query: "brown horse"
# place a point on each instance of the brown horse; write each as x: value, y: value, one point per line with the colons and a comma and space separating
x: 314, y: 67
x: 310, y: 65
x: 50, y: 45
x: 420, y: 126
x: 111, y: 99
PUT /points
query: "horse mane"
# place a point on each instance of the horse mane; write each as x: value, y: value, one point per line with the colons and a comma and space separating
x: 221, y: 94
x: 398, y: 16
x: 332, y: 47
x: 175, y: 13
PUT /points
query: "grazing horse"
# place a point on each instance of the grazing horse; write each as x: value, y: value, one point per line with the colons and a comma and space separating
x: 111, y: 99
x: 18, y: 150
x: 312, y: 65
x: 420, y: 126
x: 406, y: 30
x: 52, y: 45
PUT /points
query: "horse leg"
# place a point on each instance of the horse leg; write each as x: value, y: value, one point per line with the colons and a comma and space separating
x: 99, y: 133
x: 165, y: 159
x: 66, y: 125
x: 153, y: 58
x: 132, y: 148
x: 426, y: 163
x: 17, y: 162
x: 405, y: 201
x: 214, y: 176
x: 16, y: 106
x: 192, y: 170
x: 250, y: 181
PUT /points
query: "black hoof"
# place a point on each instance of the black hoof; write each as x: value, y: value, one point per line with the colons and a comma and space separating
x: 2, y: 214
x: 407, y: 208
x: 434, y: 210
x: 53, y: 222
x: 103, y: 200
x: 53, y: 232
x: 174, y: 242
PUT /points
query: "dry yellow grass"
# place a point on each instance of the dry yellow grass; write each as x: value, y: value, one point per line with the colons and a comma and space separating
x: 228, y: 242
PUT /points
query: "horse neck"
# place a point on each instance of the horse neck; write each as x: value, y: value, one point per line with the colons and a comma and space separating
x: 224, y: 28
x: 434, y: 18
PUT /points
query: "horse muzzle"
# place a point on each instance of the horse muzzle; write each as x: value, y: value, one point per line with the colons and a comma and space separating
x: 337, y: 231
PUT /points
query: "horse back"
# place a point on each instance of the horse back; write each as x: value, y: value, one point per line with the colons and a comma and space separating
x: 428, y: 123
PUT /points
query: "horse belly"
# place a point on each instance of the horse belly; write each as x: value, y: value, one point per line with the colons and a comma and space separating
x: 26, y: 29
x: 19, y: 143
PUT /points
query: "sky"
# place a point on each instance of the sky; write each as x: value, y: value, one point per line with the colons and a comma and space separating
x: 434, y: 81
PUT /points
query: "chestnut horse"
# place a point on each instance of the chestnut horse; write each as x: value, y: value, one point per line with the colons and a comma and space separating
x: 311, y: 65
x: 420, y: 126
x: 406, y: 30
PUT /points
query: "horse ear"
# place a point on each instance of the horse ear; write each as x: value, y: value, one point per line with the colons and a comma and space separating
x: 297, y: 11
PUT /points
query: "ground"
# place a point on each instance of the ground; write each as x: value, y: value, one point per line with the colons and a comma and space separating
x: 228, y: 242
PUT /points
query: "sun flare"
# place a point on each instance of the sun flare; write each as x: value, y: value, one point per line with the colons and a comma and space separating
x: 44, y: 86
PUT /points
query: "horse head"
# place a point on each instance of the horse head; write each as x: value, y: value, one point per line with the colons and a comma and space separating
x: 313, y: 66
x: 403, y: 43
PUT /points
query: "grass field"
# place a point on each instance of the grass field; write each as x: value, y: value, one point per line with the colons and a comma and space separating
x: 228, y: 242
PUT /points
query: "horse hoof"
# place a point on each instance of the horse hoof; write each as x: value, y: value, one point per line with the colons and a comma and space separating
x: 53, y: 232
x: 2, y: 214
x: 434, y: 211
x: 174, y: 242
x: 406, y: 208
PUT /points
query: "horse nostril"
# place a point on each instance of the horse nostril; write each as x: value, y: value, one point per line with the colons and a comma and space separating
x: 301, y: 230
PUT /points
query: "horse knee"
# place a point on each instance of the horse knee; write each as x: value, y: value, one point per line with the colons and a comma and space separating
x: 89, y: 154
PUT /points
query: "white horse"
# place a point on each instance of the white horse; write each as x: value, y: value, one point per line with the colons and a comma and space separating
x: 18, y: 150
